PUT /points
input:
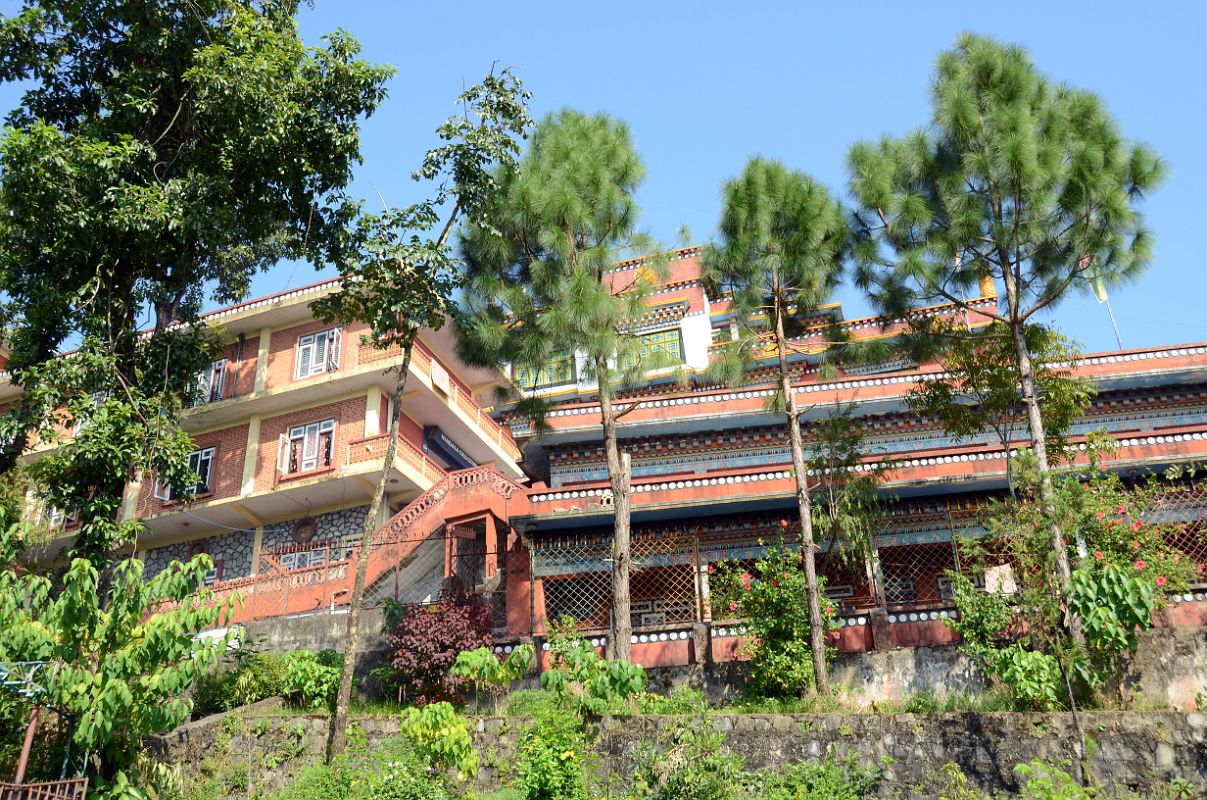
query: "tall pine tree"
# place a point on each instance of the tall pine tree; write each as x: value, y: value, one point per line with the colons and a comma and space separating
x: 783, y: 241
x: 1015, y: 179
x: 540, y: 287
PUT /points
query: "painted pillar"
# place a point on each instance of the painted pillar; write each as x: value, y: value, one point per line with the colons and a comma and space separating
x: 262, y: 360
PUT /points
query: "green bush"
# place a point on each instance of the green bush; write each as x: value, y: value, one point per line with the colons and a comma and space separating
x: 319, y: 782
x: 312, y: 683
x: 551, y: 758
x: 683, y: 700
x: 260, y: 676
x: 398, y: 771
x: 441, y: 735
x: 832, y: 778
x: 695, y: 766
x: 580, y: 677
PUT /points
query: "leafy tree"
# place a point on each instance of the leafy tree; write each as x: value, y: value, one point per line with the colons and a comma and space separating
x: 398, y: 280
x: 980, y: 388
x: 118, y: 665
x: 159, y: 148
x: 783, y: 240
x: 1017, y: 181
x: 1019, y: 636
x: 539, y: 284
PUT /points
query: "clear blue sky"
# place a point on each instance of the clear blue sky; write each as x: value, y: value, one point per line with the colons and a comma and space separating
x: 706, y: 85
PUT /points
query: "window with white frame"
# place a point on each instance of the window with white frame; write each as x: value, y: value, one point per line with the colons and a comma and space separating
x: 201, y: 462
x: 301, y: 559
x: 307, y: 447
x: 211, y: 383
x: 318, y: 353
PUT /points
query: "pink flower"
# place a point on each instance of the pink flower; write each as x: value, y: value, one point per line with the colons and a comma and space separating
x: 783, y: 523
x: 1099, y: 515
x: 1137, y: 525
x: 1160, y: 580
x: 1121, y: 510
x: 1098, y: 555
x: 733, y: 606
x: 1140, y: 565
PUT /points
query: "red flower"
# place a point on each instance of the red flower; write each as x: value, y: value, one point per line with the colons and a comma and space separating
x: 1098, y: 555
x: 1137, y: 525
x: 746, y: 579
x: 1140, y: 565
x: 1121, y: 510
x: 1160, y: 580
x: 783, y: 523
x: 1099, y: 515
x: 733, y: 606
x: 710, y: 569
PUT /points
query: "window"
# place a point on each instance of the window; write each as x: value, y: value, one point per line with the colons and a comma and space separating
x: 307, y: 447
x: 301, y: 559
x: 661, y: 349
x: 58, y: 518
x: 318, y: 353
x: 95, y: 400
x: 201, y: 462
x: 211, y: 383
x: 557, y: 371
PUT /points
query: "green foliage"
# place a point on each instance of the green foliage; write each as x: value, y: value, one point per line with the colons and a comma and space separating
x: 120, y: 665
x: 260, y: 676
x: 695, y: 765
x: 683, y: 700
x: 313, y: 678
x: 1015, y: 177
x: 538, y: 258
x: 482, y: 667
x: 772, y: 596
x: 832, y: 778
x: 847, y: 508
x: 578, y: 675
x: 319, y: 782
x: 1043, y: 781
x: 440, y: 734
x: 781, y: 255
x: 1115, y: 590
x: 981, y: 386
x: 551, y: 758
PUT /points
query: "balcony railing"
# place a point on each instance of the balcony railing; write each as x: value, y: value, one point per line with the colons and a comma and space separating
x: 424, y: 362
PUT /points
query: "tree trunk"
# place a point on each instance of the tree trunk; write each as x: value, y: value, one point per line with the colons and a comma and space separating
x: 1039, y: 445
x: 337, y: 733
x: 620, y: 638
x: 817, y: 631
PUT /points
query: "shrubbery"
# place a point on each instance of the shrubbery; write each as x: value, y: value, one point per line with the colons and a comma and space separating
x: 427, y: 640
x: 301, y: 676
x: 772, y: 597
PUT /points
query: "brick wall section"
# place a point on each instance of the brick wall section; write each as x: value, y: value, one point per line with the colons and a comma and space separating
x: 282, y: 351
x: 349, y: 416
x: 226, y: 478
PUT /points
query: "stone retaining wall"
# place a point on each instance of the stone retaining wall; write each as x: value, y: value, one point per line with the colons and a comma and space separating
x: 1132, y: 749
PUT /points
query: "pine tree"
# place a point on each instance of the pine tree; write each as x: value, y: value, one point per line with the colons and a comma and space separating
x: 540, y: 286
x: 783, y: 241
x: 1016, y: 180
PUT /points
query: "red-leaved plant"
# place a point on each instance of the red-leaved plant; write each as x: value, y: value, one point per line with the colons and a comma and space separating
x: 426, y: 642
